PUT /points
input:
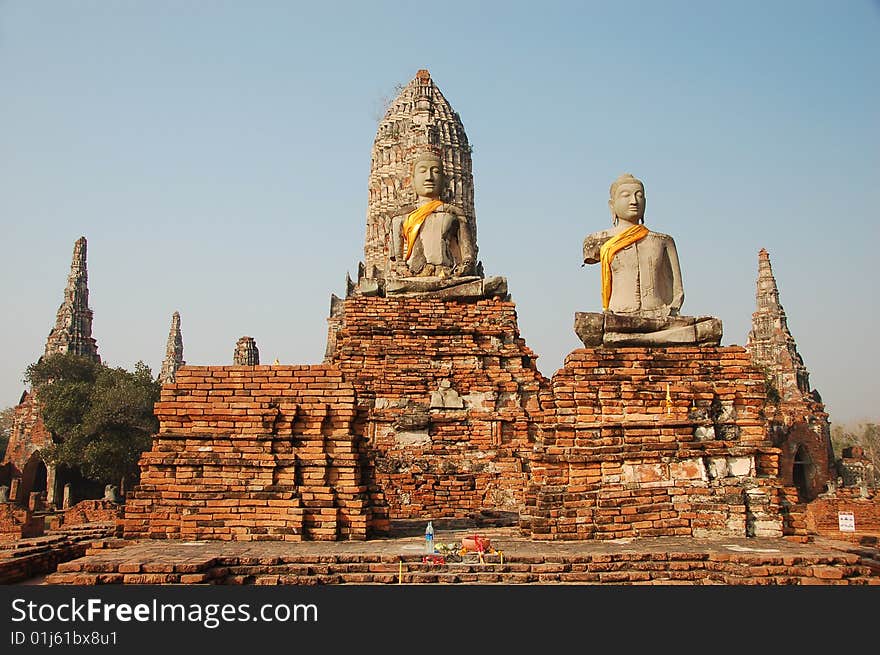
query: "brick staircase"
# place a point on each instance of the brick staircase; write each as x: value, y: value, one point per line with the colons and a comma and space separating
x: 35, y: 556
x: 794, y: 523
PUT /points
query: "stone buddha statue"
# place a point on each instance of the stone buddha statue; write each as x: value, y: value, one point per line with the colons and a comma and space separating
x: 432, y: 249
x: 642, y: 289
x: 434, y: 239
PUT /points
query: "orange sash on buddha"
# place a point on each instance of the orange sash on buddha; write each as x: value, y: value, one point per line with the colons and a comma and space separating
x: 413, y: 224
x: 610, y: 248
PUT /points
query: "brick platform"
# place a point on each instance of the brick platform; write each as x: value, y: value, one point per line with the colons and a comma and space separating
x: 648, y: 442
x: 659, y: 561
x: 28, y: 558
x: 426, y: 461
x: 432, y: 408
x: 251, y: 453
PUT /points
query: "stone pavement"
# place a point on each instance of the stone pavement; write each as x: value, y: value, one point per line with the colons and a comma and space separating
x: 511, y: 559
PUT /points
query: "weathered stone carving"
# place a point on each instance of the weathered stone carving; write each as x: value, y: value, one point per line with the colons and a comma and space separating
x: 434, y: 239
x: 446, y: 397
x: 246, y: 352
x: 73, y: 325
x: 4, y: 494
x: 173, y: 352
x: 421, y: 230
x: 642, y: 289
x: 770, y: 342
x: 111, y: 493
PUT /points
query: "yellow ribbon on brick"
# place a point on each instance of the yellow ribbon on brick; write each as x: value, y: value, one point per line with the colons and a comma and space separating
x: 610, y: 248
x: 413, y: 224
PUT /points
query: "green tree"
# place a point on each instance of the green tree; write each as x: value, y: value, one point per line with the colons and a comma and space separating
x: 6, y: 418
x: 101, y: 418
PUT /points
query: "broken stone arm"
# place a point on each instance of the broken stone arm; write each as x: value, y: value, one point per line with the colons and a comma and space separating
x: 592, y: 243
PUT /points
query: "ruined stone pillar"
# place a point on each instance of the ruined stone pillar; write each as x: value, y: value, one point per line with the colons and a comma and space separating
x: 51, y: 486
x: 67, y: 500
x: 173, y: 352
x: 14, y: 487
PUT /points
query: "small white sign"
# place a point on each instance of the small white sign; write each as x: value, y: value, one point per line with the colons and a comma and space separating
x: 846, y: 521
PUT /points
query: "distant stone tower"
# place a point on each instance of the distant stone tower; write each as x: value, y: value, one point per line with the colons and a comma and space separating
x: 770, y: 343
x: 419, y: 117
x: 173, y: 352
x: 246, y: 353
x: 73, y: 324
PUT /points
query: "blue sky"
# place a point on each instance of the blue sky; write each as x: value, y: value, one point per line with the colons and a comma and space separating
x: 215, y: 155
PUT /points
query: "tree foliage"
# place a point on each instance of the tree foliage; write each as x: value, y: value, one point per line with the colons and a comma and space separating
x: 7, y: 416
x: 101, y: 418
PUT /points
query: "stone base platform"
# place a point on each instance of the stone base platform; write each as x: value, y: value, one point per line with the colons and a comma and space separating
x: 29, y: 558
x: 513, y: 560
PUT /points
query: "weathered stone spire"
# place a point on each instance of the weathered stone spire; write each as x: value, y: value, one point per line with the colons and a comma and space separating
x: 73, y: 324
x: 419, y: 118
x: 246, y: 353
x: 173, y: 352
x: 770, y: 342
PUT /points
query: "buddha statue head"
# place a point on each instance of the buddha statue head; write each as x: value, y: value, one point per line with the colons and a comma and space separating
x: 627, y: 200
x: 428, y: 178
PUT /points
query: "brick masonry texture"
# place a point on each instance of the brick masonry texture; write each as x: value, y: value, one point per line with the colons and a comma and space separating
x: 252, y: 453
x: 92, y: 511
x: 425, y: 461
x: 654, y: 442
x: 29, y: 434
x: 660, y: 561
x: 17, y: 523
x: 621, y: 443
x: 822, y: 514
x: 28, y: 557
x: 797, y: 420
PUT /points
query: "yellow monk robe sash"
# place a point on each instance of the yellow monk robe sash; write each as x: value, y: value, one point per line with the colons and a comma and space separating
x: 413, y: 224
x: 610, y: 248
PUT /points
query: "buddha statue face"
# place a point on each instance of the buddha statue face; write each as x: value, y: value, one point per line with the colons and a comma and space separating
x: 428, y: 177
x: 627, y: 201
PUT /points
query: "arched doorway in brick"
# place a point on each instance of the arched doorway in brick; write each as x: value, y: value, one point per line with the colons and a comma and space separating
x: 33, y: 478
x: 802, y: 473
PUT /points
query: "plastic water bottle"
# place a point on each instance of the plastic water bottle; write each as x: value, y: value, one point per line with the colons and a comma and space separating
x: 429, y: 539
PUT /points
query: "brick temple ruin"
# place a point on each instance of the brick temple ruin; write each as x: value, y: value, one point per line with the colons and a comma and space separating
x: 429, y: 405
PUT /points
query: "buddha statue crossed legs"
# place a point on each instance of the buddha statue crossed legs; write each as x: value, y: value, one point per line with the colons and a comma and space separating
x: 642, y: 289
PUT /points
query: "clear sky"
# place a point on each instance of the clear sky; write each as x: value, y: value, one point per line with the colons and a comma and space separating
x: 216, y: 154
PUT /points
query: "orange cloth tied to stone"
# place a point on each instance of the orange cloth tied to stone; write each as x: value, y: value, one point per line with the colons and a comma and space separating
x: 413, y: 224
x: 610, y: 248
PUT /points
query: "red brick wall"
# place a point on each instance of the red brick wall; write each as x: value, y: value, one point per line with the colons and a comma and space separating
x: 617, y: 461
x: 802, y: 423
x: 28, y: 433
x: 430, y: 463
x: 17, y: 523
x: 250, y: 453
x: 92, y: 511
x: 822, y: 513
